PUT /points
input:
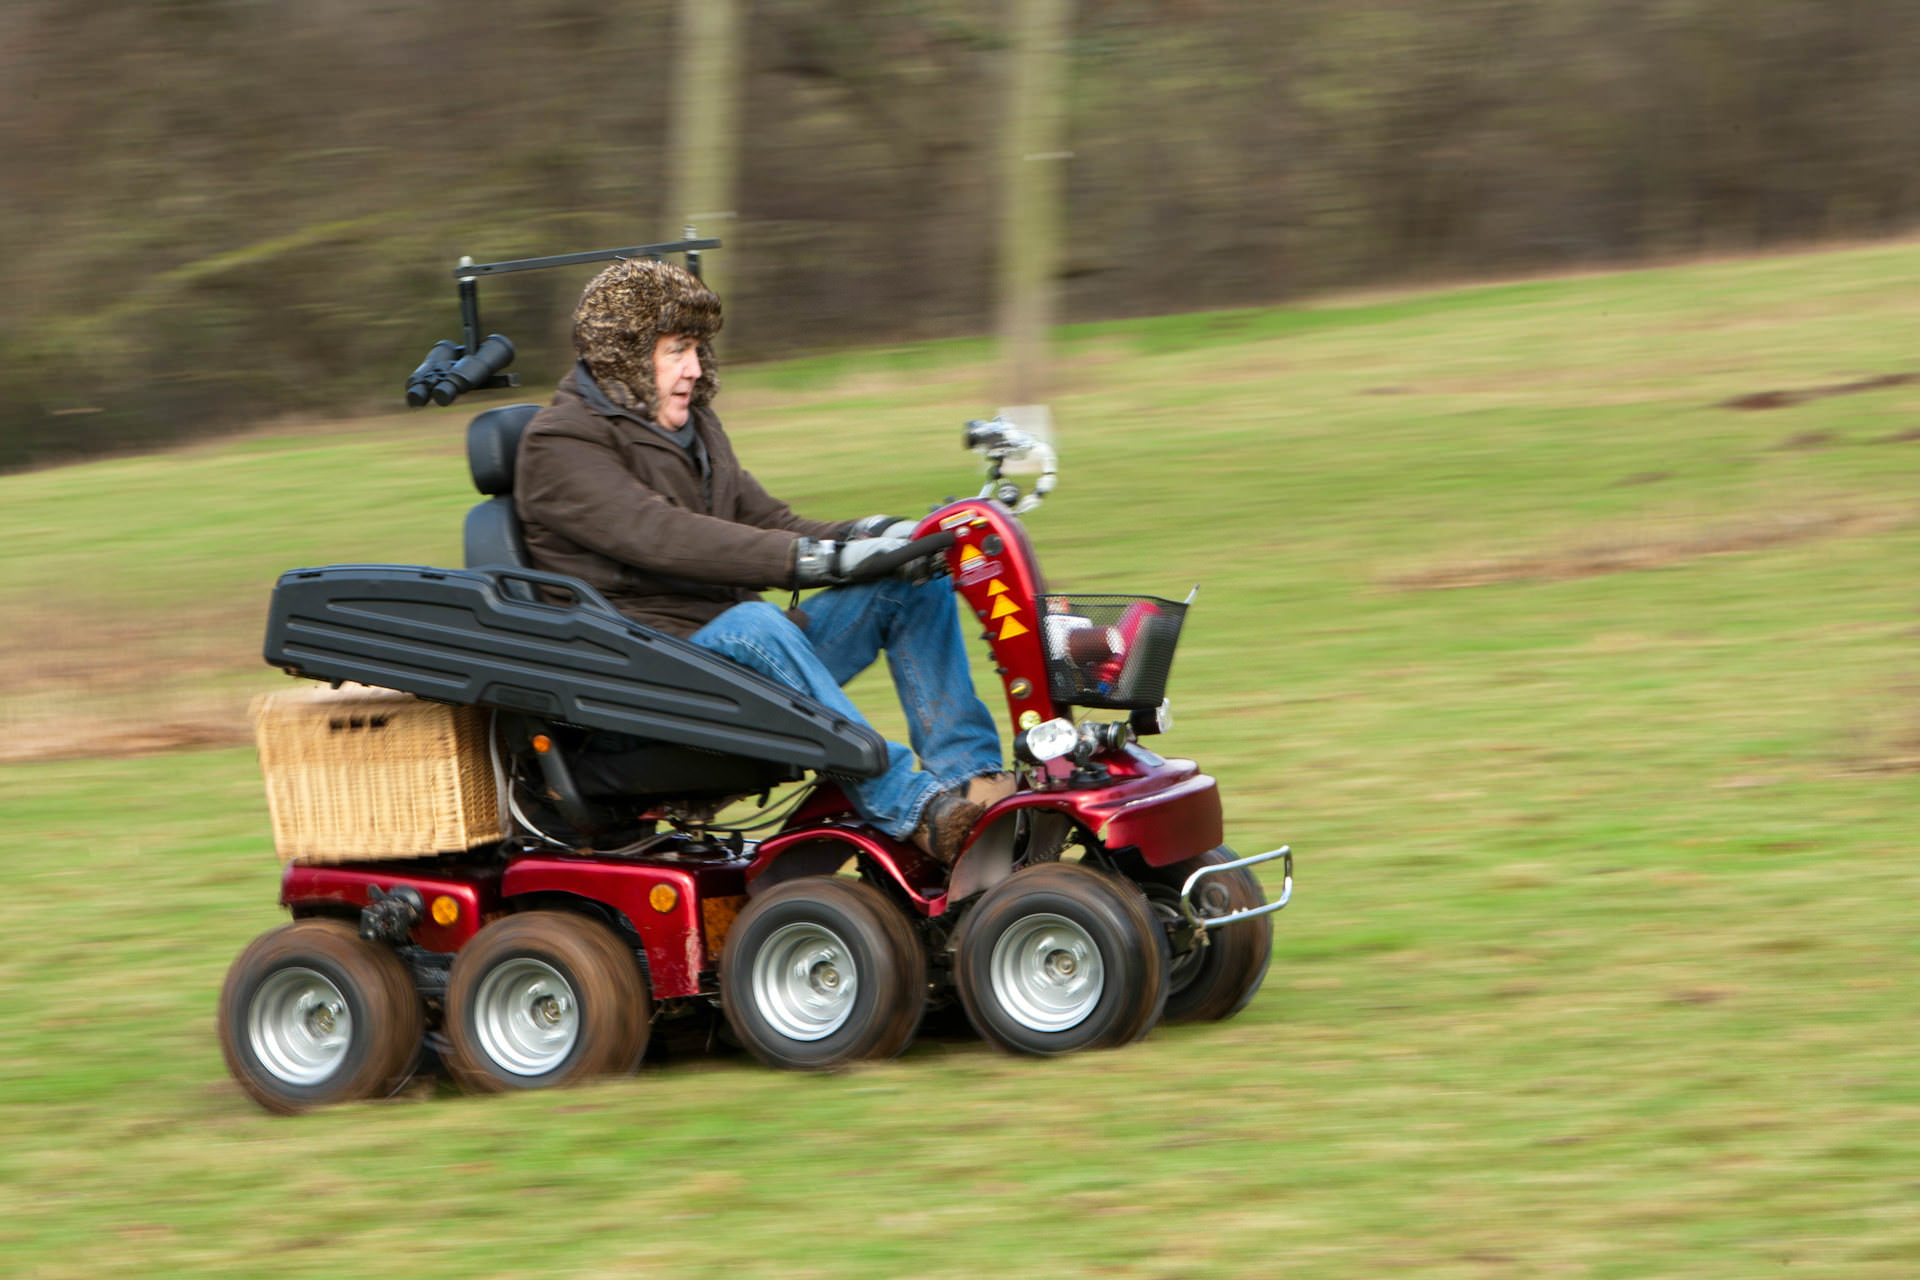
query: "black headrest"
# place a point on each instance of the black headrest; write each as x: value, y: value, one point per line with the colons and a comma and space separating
x: 493, y: 440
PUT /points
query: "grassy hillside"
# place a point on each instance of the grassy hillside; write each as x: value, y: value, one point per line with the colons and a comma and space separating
x: 1591, y: 706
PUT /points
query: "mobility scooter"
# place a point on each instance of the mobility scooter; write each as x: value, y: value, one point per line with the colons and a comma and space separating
x: 624, y: 887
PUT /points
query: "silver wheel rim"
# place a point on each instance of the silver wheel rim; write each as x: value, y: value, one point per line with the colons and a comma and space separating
x: 805, y: 981
x: 526, y: 1016
x: 299, y: 1026
x: 1046, y: 972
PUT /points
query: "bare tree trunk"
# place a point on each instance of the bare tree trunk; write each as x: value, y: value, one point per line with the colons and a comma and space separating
x: 706, y: 127
x: 1032, y: 181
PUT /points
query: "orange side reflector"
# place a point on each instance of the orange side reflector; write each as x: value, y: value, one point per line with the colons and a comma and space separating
x: 718, y: 914
x: 445, y: 910
x: 542, y: 743
x: 663, y: 898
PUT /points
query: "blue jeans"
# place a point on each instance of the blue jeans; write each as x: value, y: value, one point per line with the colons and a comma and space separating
x: 918, y: 625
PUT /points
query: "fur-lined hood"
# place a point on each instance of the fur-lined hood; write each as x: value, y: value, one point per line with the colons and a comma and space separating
x: 625, y: 310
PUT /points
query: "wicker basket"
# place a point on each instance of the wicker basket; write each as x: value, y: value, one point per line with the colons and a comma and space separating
x: 356, y: 774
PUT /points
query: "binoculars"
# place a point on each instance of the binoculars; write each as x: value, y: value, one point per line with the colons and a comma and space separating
x: 448, y: 371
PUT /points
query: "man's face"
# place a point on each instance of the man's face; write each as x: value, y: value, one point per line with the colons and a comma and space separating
x: 676, y: 367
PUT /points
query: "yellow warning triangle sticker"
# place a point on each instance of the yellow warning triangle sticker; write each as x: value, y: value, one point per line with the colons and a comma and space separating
x: 1012, y: 629
x: 997, y: 588
x: 970, y: 553
x: 1002, y: 607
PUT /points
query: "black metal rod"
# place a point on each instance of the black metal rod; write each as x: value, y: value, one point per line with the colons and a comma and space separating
x: 470, y: 315
x: 570, y: 259
x: 561, y: 789
x: 693, y: 255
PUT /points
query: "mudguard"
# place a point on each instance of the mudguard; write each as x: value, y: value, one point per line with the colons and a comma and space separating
x: 1167, y: 809
x: 680, y: 912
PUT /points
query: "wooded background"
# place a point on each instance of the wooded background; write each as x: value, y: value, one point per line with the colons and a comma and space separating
x: 219, y: 211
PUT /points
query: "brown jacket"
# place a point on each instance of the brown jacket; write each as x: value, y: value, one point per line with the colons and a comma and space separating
x: 604, y: 497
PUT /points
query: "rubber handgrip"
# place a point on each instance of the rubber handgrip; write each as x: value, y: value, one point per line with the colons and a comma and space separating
x: 918, y: 549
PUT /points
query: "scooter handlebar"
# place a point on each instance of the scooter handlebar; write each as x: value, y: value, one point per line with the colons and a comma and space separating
x: 1002, y: 442
x: 920, y: 548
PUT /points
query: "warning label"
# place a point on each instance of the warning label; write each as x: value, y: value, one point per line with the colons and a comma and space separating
x: 976, y: 568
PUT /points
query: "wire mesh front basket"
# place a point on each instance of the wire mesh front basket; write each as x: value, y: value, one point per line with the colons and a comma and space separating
x: 1110, y: 651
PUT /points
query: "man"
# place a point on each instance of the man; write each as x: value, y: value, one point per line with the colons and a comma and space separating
x: 627, y: 481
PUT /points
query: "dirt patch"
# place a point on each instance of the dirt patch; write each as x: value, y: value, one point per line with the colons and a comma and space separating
x: 1624, y: 557
x: 1803, y: 440
x: 1897, y: 752
x: 99, y: 739
x: 1786, y: 399
x: 1910, y: 436
x: 1902, y: 756
x: 64, y: 646
x: 86, y: 682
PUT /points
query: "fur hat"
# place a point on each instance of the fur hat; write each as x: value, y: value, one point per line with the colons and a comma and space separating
x: 629, y: 306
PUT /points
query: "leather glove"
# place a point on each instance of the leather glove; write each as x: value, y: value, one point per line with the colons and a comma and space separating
x: 881, y: 526
x: 821, y: 562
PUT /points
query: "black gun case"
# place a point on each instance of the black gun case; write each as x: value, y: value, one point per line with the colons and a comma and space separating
x: 458, y: 636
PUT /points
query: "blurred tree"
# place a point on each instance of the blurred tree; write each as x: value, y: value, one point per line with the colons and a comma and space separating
x: 706, y: 129
x: 1032, y: 188
x: 225, y: 211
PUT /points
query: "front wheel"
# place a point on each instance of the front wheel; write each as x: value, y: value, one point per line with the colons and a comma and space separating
x: 312, y: 1014
x: 543, y: 999
x: 1217, y: 979
x: 819, y: 972
x: 1058, y: 958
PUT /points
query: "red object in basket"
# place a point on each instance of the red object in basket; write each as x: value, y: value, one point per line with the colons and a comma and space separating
x: 1123, y: 634
x: 1089, y: 645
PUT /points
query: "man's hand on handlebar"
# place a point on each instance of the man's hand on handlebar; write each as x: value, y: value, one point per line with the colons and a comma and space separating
x: 881, y: 526
x: 824, y: 563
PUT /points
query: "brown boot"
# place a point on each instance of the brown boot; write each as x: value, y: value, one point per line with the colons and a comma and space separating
x: 989, y: 789
x: 944, y: 823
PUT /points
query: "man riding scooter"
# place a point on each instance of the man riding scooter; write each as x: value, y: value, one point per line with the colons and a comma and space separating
x: 628, y: 481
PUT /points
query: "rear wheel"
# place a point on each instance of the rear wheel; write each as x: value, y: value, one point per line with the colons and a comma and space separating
x: 1218, y: 979
x: 819, y: 972
x: 911, y: 1008
x: 312, y: 1014
x: 543, y: 999
x: 1058, y: 958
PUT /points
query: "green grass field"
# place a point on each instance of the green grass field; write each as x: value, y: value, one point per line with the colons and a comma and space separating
x: 1590, y: 706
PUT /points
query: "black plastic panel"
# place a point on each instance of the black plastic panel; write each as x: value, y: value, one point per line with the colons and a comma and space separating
x: 455, y: 636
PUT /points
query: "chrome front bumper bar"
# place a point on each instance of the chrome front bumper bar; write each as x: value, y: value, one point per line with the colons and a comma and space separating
x: 1195, y: 920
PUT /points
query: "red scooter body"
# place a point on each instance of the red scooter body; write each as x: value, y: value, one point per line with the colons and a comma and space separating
x: 680, y: 909
x: 1167, y: 809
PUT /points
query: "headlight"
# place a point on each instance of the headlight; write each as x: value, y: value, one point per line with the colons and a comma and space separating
x: 1048, y: 740
x: 1153, y: 720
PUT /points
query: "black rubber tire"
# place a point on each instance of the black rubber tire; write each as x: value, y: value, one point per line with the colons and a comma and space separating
x: 888, y: 969
x: 1106, y: 912
x: 386, y: 1019
x: 609, y: 997
x: 1222, y: 977
x: 1153, y: 1002
x: 911, y: 959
